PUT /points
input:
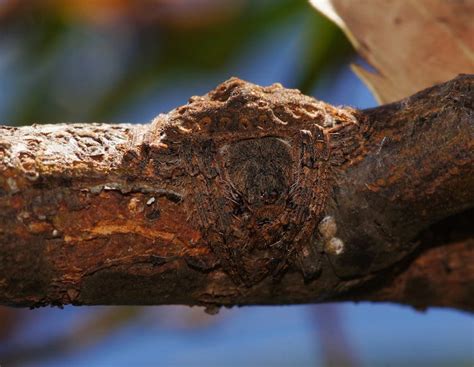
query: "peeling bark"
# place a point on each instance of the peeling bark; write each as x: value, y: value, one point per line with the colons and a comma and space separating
x: 247, y: 195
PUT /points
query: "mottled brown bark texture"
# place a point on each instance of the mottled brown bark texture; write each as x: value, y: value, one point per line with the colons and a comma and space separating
x: 247, y: 195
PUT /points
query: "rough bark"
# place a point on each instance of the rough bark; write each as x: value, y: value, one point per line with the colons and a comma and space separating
x: 247, y: 195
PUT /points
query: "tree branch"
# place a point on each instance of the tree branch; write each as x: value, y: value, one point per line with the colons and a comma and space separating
x: 247, y: 195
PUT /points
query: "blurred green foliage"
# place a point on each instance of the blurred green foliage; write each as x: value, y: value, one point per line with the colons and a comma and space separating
x: 46, y: 83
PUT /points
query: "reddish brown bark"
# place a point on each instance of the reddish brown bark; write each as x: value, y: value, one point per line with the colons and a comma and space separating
x: 441, y: 276
x: 247, y: 195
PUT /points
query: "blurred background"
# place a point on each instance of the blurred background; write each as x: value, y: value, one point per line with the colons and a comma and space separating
x: 127, y: 61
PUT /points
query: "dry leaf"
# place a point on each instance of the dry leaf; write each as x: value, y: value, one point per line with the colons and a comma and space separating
x: 412, y: 44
